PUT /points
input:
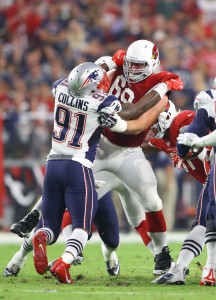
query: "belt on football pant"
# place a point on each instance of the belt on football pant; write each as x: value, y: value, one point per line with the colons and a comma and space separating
x: 59, y: 157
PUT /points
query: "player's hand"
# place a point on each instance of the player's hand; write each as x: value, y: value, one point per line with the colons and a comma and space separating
x: 175, y: 84
x: 190, y: 139
x: 118, y: 58
x: 111, y: 109
x: 107, y: 120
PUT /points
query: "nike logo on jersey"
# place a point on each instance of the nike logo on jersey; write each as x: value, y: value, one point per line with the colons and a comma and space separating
x: 190, y: 115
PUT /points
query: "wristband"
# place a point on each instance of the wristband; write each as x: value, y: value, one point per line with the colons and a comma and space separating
x: 161, y: 89
x: 111, y: 64
x: 120, y: 126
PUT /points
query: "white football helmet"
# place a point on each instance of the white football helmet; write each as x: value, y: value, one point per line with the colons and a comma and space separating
x: 165, y: 119
x: 141, y: 59
x: 88, y: 78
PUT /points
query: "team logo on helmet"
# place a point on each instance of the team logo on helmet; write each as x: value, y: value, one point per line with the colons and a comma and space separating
x: 154, y: 52
x: 92, y: 76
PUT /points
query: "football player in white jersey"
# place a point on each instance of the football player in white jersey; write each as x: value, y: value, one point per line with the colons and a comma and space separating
x: 198, y: 136
x: 69, y: 181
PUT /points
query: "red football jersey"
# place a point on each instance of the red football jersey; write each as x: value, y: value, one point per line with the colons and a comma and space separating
x: 193, y: 166
x: 132, y: 93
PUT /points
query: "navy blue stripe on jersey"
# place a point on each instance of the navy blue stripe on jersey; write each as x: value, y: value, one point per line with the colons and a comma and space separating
x: 57, y: 82
x: 209, y: 92
x: 200, y: 126
x: 93, y: 144
x: 107, y: 102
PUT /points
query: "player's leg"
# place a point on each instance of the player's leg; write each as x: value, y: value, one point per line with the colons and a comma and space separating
x: 106, y: 222
x: 19, y: 258
x: 66, y: 230
x: 191, y: 247
x: 208, y: 275
x: 134, y: 213
x: 142, y: 181
x: 131, y: 167
x: 53, y: 207
x: 81, y: 201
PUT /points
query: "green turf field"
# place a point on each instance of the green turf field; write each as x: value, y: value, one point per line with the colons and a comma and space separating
x: 92, y: 281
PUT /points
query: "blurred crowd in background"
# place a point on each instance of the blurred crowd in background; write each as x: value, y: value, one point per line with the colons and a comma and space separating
x: 41, y: 41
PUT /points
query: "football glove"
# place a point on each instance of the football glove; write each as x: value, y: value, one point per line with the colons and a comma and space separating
x: 190, y: 139
x: 107, y: 120
x: 118, y: 58
x: 113, y: 108
x: 175, y: 84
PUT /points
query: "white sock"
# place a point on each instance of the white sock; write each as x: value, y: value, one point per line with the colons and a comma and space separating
x: 108, y: 253
x: 192, y: 246
x: 150, y: 246
x: 159, y: 240
x: 211, y: 255
x: 27, y: 246
x: 38, y: 206
x: 75, y: 245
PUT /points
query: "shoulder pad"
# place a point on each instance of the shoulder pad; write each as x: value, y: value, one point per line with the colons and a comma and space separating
x: 206, y: 100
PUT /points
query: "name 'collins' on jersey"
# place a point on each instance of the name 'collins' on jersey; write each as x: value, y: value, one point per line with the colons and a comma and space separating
x: 76, y: 130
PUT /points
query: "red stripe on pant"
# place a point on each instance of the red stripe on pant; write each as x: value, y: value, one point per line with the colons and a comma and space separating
x: 142, y: 230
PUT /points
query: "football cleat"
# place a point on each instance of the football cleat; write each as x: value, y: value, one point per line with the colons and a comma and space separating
x: 79, y: 259
x: 60, y: 270
x: 175, y: 275
x: 40, y: 257
x: 163, y: 261
x: 14, y: 265
x: 208, y: 277
x: 113, y: 267
x: 12, y: 271
x: 25, y: 226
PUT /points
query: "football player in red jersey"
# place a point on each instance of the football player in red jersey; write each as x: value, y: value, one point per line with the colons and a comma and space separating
x: 163, y: 137
x: 120, y: 157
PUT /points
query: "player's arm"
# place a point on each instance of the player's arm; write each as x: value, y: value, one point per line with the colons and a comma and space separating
x: 133, y: 111
x: 146, y: 119
x: 193, y: 140
x: 140, y: 124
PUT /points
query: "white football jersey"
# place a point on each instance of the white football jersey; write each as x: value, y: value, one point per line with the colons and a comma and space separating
x: 207, y: 100
x: 76, y: 129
